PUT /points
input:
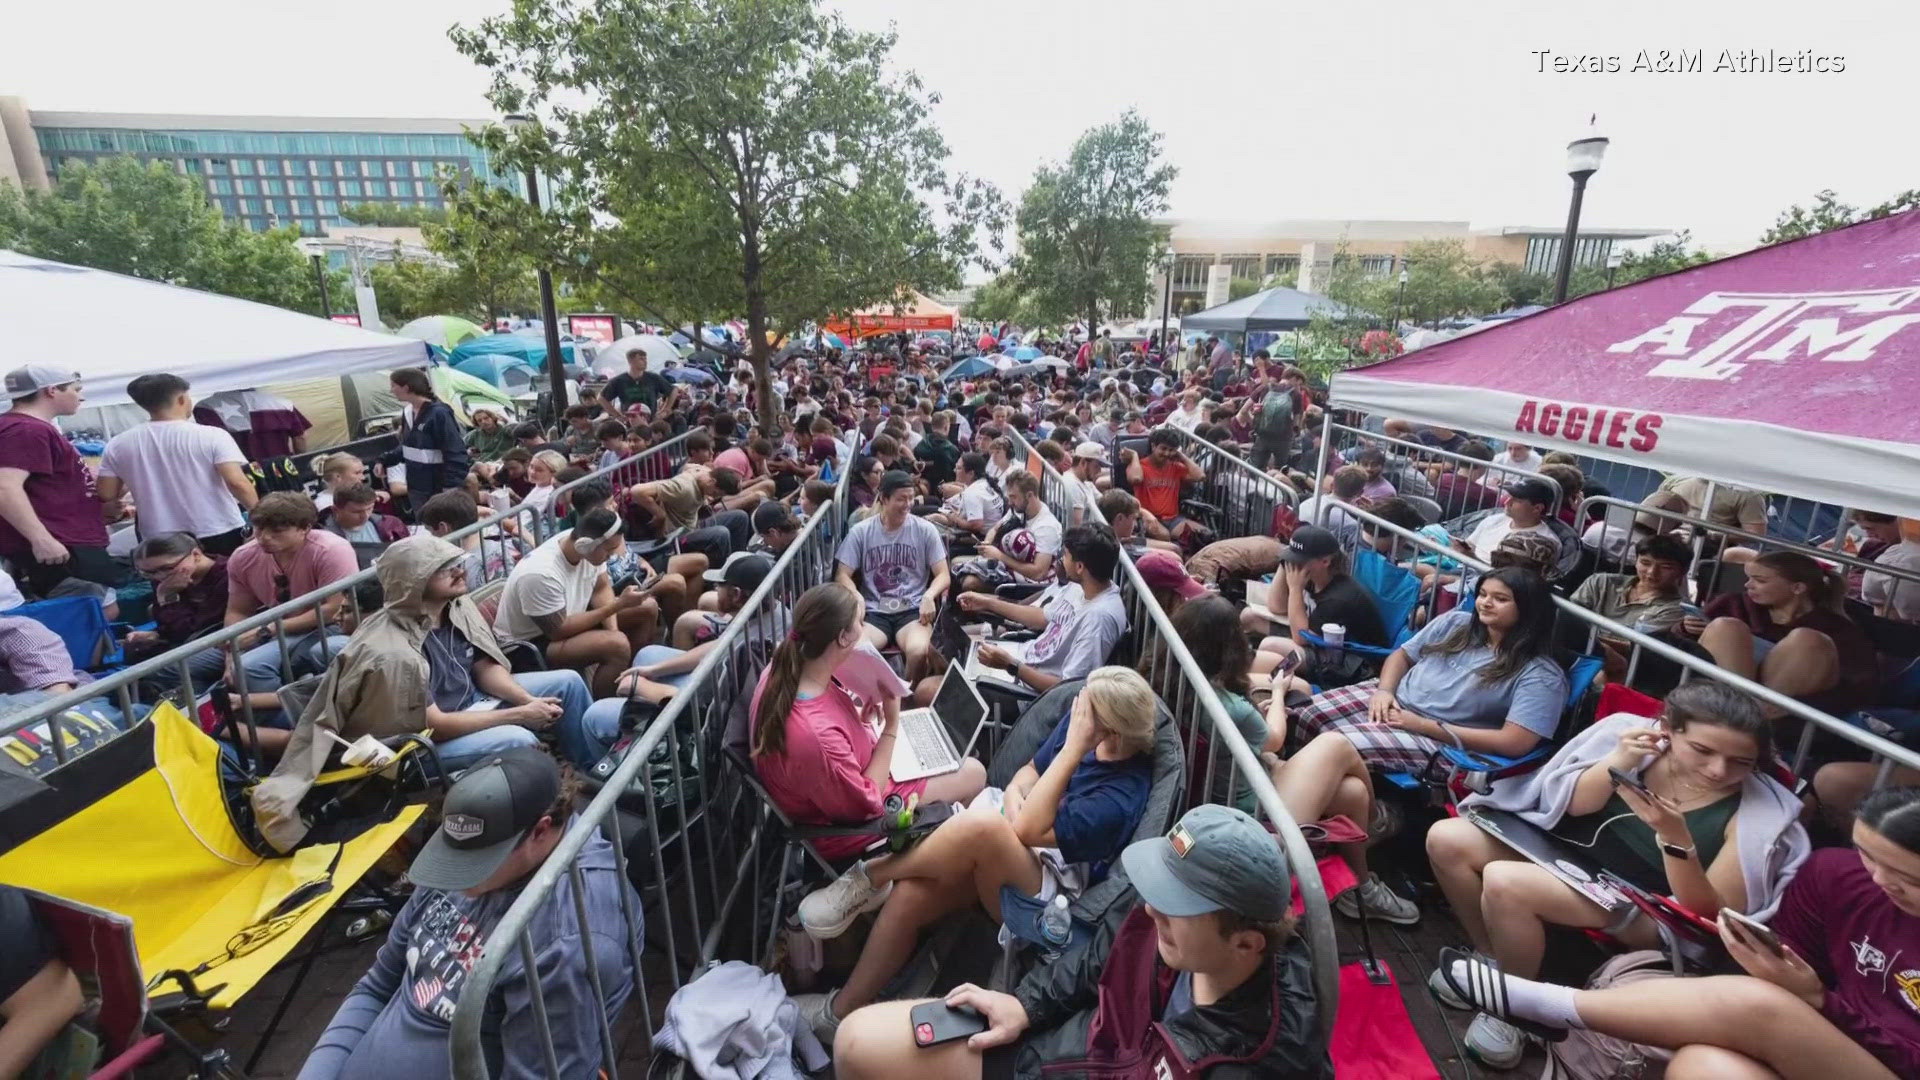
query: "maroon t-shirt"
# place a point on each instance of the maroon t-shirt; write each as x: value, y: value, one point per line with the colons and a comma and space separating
x: 1859, y: 663
x: 58, y: 485
x: 1866, y: 951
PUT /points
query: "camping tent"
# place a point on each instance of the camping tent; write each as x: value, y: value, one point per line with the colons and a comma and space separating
x: 532, y: 349
x: 508, y: 373
x: 919, y: 315
x: 1791, y: 369
x: 1273, y: 309
x: 50, y: 312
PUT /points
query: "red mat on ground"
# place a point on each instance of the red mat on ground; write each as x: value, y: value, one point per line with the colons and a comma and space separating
x: 1373, y: 1038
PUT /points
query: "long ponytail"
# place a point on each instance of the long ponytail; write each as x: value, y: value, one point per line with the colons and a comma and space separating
x: 821, y: 615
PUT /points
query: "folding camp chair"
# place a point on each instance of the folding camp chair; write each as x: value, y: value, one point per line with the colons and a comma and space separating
x: 81, y: 623
x: 1395, y: 591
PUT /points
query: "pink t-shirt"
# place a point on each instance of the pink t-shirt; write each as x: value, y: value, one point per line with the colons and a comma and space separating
x: 821, y: 778
x: 736, y: 459
x: 323, y: 560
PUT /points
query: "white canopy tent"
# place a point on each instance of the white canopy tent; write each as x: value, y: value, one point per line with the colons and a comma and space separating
x: 110, y: 328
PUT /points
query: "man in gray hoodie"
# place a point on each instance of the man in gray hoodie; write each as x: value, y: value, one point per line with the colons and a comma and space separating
x: 500, y: 822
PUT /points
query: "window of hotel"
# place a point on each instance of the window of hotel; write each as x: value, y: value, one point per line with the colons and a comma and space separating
x: 377, y: 189
x: 1190, y: 271
x: 1376, y: 265
x: 242, y: 167
x: 1283, y: 264
x: 1243, y: 266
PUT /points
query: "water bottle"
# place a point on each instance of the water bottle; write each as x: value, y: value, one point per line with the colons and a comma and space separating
x: 1056, y: 925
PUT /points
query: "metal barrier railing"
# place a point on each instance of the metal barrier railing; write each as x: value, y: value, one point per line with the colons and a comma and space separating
x: 1170, y: 669
x: 1246, y: 496
x: 1344, y: 436
x: 1632, y: 511
x: 1690, y: 664
x: 696, y: 800
x: 177, y: 663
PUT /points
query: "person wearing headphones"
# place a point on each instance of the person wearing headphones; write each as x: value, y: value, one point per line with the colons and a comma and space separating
x: 560, y: 599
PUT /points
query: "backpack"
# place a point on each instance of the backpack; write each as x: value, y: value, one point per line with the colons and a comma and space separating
x: 1589, y: 1055
x: 1276, y: 414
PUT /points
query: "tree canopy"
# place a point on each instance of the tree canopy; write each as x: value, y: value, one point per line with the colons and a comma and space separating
x: 723, y: 157
x: 1087, y: 238
x: 1828, y: 212
x: 149, y: 220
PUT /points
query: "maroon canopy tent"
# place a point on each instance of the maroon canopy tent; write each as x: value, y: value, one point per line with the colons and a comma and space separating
x: 1793, y: 369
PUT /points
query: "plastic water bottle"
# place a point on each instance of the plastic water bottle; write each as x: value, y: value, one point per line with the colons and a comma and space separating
x: 1056, y: 925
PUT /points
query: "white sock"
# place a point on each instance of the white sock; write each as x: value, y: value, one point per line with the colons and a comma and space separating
x: 1542, y: 1003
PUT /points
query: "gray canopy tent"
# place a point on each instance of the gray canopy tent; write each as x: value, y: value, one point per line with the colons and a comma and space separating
x: 1272, y: 309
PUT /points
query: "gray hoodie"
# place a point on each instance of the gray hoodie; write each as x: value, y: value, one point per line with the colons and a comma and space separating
x: 395, y: 1022
x: 1772, y: 843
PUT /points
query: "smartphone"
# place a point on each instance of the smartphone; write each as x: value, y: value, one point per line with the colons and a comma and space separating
x: 1288, y: 664
x: 935, y: 1022
x: 1757, y: 931
x: 1621, y: 779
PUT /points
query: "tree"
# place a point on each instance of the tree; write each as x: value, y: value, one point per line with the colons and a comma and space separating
x: 714, y: 157
x: 1087, y: 237
x: 488, y: 273
x: 1001, y: 300
x: 1828, y: 212
x: 394, y: 215
x: 1241, y: 287
x: 148, y: 220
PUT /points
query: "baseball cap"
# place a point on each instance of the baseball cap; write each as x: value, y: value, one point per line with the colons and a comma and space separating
x: 893, y: 480
x: 1091, y: 451
x: 1309, y: 542
x: 1163, y: 570
x: 1215, y: 858
x: 773, y: 515
x: 1532, y: 489
x: 743, y: 570
x: 1525, y: 548
x: 485, y: 815
x: 34, y: 378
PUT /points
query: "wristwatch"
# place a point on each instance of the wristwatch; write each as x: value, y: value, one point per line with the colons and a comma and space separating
x: 1675, y: 851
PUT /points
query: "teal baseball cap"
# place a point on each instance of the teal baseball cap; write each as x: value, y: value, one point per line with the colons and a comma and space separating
x: 1215, y: 858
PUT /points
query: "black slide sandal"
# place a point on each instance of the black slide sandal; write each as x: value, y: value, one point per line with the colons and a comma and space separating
x: 1486, y: 989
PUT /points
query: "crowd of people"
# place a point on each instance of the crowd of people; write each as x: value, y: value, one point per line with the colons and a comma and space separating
x: 524, y: 645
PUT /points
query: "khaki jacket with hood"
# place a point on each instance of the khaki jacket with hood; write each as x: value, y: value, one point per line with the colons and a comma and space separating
x: 377, y: 686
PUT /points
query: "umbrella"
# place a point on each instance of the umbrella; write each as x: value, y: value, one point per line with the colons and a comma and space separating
x: 693, y: 375
x: 967, y: 369
x: 831, y: 340
x: 1043, y: 366
x: 613, y: 359
x: 1025, y: 352
x: 441, y: 331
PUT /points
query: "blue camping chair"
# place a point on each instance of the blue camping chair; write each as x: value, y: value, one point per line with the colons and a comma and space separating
x: 1477, y: 771
x: 1396, y: 592
x: 81, y: 623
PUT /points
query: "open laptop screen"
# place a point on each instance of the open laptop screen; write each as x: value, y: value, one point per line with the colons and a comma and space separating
x: 959, y: 707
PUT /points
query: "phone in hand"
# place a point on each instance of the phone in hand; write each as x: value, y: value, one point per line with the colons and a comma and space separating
x: 1288, y: 665
x: 1621, y: 779
x: 1754, y: 930
x: 936, y: 1022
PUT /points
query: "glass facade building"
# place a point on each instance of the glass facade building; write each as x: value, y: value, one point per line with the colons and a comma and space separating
x: 265, y: 178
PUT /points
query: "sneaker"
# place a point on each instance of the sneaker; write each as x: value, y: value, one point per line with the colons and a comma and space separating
x: 827, y: 912
x: 1437, y: 983
x: 817, y: 1011
x: 1494, y: 1042
x: 1382, y: 903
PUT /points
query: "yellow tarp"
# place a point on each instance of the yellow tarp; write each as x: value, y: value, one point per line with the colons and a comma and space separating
x: 161, y: 850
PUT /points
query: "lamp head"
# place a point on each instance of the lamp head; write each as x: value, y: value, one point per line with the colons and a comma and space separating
x: 1583, y: 155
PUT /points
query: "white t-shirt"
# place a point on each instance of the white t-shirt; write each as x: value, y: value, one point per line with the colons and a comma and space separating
x: 1187, y: 421
x: 544, y: 583
x: 980, y: 502
x: 1878, y: 589
x: 1497, y: 526
x: 1079, y: 634
x: 1047, y: 534
x: 169, y: 467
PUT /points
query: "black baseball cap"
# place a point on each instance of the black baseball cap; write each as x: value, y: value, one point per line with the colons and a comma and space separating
x: 744, y: 570
x: 1309, y: 542
x: 773, y: 514
x: 1532, y: 489
x: 893, y: 481
x: 486, y: 814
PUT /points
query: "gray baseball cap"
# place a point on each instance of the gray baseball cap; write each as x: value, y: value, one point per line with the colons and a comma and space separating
x: 1215, y: 858
x: 486, y: 814
x: 34, y: 378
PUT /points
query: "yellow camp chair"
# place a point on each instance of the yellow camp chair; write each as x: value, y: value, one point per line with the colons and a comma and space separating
x: 141, y: 826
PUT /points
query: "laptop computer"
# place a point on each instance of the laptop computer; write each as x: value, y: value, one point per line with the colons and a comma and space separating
x: 933, y: 741
x: 1552, y: 854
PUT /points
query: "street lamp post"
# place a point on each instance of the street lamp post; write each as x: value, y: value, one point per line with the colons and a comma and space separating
x: 1166, y: 303
x: 1397, y: 300
x: 557, y: 377
x: 320, y: 283
x: 1614, y: 259
x: 1583, y: 160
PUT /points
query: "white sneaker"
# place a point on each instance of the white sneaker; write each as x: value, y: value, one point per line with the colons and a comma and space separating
x: 817, y: 1011
x: 1495, y: 1043
x: 1382, y: 903
x: 1437, y: 982
x: 827, y: 912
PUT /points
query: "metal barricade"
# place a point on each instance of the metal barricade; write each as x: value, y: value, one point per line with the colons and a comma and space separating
x: 1245, y: 496
x: 335, y: 607
x: 680, y: 895
x: 1340, y: 436
x: 1170, y: 669
x: 1637, y: 642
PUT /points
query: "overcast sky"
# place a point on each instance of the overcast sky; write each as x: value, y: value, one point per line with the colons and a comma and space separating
x: 1387, y: 109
